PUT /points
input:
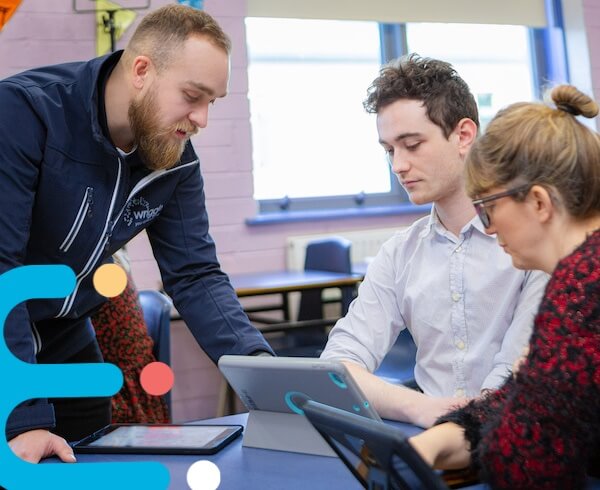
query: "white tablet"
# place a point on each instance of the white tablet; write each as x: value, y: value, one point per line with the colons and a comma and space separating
x: 283, y: 384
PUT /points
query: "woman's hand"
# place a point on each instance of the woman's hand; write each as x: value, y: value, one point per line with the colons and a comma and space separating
x: 443, y: 447
x: 519, y: 361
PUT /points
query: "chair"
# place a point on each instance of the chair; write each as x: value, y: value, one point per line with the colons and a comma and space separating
x: 330, y: 255
x: 157, y: 315
x: 398, y: 366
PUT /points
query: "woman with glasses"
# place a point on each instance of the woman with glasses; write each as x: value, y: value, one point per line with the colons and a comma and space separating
x: 536, y: 178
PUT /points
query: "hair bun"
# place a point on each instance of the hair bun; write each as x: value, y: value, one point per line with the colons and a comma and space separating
x: 569, y: 99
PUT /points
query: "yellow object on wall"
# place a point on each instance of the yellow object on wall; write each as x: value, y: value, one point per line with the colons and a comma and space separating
x: 108, y: 12
x: 7, y: 8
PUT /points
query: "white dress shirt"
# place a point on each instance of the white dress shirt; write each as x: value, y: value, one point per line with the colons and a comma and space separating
x: 469, y: 311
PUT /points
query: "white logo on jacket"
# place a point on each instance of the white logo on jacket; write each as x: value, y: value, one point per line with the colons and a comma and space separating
x: 138, y: 212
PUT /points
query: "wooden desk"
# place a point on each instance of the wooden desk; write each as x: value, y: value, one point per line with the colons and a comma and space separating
x: 283, y: 283
x: 261, y: 283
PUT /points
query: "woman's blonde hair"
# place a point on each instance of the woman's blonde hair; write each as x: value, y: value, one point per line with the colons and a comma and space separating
x: 533, y: 143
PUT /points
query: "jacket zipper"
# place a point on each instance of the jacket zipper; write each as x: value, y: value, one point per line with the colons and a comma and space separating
x: 37, y: 339
x: 79, y: 219
x: 143, y: 183
x: 108, y: 229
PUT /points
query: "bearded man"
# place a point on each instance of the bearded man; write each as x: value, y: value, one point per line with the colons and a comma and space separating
x: 103, y: 152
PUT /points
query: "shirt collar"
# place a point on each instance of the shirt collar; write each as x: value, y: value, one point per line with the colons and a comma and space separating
x: 431, y: 223
x: 434, y: 221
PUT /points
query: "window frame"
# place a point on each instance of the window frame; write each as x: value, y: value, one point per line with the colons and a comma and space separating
x: 549, y: 62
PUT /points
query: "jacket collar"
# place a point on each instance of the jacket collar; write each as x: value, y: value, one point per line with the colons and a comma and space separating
x: 95, y: 67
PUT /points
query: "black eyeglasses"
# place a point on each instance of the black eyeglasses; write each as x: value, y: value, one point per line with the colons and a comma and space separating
x: 480, y: 203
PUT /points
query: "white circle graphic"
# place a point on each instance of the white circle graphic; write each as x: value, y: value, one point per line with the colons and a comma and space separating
x: 203, y: 475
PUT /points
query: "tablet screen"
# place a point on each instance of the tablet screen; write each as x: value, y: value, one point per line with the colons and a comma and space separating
x: 171, y: 439
x: 160, y: 436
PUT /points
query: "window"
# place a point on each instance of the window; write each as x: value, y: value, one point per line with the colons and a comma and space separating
x: 311, y: 135
x: 314, y: 146
x: 494, y: 60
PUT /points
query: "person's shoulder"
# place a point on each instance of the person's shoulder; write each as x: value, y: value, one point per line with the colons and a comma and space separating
x: 410, y: 233
x: 403, y: 242
x: 43, y: 75
x: 578, y: 274
x: 583, y: 265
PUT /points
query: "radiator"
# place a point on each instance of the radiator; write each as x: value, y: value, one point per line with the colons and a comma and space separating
x: 365, y: 244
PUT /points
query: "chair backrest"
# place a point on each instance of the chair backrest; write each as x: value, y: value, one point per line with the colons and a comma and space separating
x: 157, y: 314
x: 332, y: 255
x: 328, y: 254
x: 398, y: 366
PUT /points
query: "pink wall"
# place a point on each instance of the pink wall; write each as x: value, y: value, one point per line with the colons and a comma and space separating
x: 43, y: 32
x: 592, y: 25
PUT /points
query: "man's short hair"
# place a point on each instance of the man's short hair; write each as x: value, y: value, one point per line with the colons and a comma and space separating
x: 166, y: 29
x: 446, y: 96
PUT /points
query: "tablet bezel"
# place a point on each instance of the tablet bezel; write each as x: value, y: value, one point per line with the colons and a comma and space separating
x: 383, y: 443
x: 269, y: 383
x: 230, y: 432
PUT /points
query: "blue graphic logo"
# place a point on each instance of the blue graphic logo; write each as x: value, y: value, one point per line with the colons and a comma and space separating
x: 22, y: 381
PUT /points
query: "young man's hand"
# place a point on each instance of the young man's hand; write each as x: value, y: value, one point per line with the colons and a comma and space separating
x: 431, y: 408
x: 397, y: 402
x: 34, y: 445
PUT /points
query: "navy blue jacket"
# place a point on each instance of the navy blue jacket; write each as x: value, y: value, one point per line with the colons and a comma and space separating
x: 68, y: 197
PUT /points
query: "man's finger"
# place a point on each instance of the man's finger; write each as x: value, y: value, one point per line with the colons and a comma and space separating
x: 63, y: 450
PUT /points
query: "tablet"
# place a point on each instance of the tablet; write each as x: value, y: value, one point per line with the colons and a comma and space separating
x: 283, y: 384
x: 377, y: 454
x: 159, y: 439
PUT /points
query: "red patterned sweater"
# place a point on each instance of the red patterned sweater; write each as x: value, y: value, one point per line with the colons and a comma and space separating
x: 541, y: 430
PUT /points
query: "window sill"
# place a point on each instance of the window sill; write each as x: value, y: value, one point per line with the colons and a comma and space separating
x: 331, y: 214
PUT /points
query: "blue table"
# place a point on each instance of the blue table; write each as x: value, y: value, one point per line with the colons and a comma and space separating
x: 251, y: 468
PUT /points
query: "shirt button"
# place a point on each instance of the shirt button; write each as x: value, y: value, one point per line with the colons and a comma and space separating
x: 460, y: 344
x: 458, y: 249
x: 459, y: 392
x: 455, y: 297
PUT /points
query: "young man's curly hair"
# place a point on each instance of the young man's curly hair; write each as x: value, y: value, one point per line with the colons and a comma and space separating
x: 446, y: 96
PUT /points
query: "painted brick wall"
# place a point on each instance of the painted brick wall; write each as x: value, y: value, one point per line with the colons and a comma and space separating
x: 43, y: 32
x: 592, y: 25
x: 48, y: 31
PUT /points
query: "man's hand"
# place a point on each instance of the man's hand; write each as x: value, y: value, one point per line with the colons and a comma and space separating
x: 430, y: 408
x: 397, y: 402
x: 34, y: 445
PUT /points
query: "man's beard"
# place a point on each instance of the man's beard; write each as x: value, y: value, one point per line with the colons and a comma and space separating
x: 158, y: 148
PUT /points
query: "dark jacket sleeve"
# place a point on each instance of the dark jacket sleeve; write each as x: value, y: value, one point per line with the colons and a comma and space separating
x: 21, y: 149
x: 191, y: 274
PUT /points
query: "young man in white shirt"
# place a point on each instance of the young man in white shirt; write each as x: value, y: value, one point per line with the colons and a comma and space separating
x: 451, y: 285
